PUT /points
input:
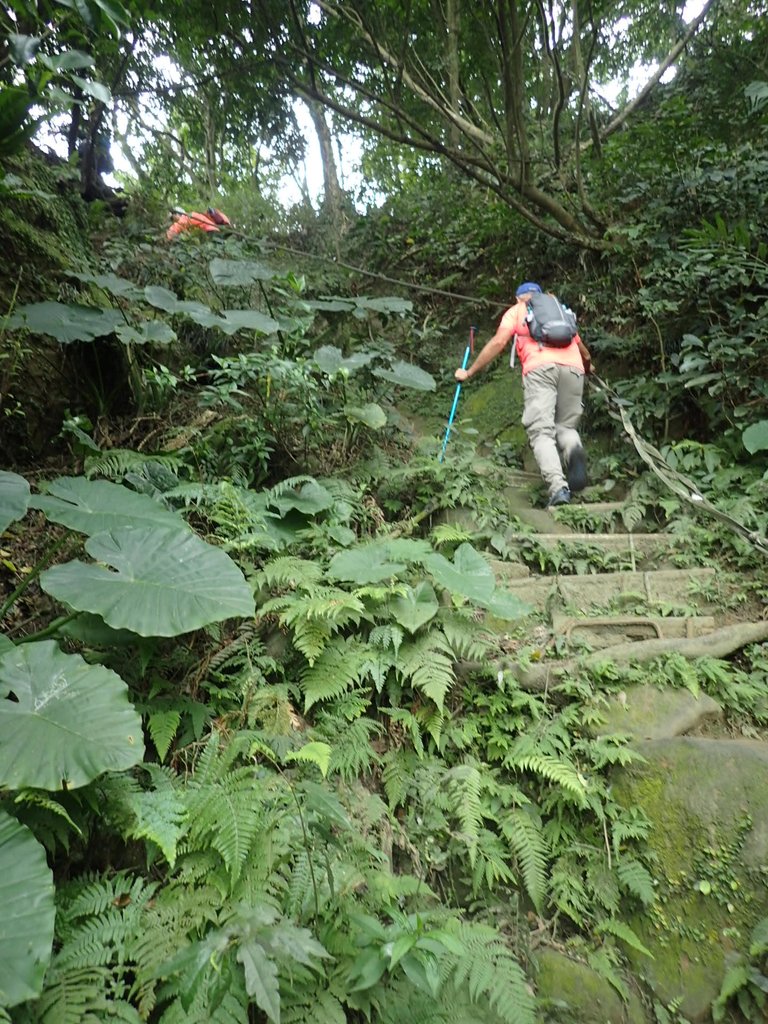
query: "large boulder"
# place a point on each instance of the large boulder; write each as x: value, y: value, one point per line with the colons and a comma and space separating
x: 707, y: 800
x: 571, y: 991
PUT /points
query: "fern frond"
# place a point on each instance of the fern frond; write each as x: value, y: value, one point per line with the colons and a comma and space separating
x: 339, y: 668
x: 411, y: 723
x: 525, y: 836
x: 450, y: 533
x: 622, y: 931
x: 162, y: 727
x: 315, y: 1008
x: 117, y: 462
x: 426, y: 662
x: 386, y: 637
x: 70, y: 995
x: 431, y: 720
x: 555, y: 770
x: 397, y: 775
x: 226, y: 816
x: 44, y: 804
x: 353, y: 754
x: 491, y: 973
x: 465, y: 785
x: 290, y: 572
x: 463, y: 636
x: 300, y: 893
x: 492, y: 862
x: 637, y: 879
x: 290, y: 483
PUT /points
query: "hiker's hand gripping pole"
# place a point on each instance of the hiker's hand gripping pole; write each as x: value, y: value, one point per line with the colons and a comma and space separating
x: 469, y: 349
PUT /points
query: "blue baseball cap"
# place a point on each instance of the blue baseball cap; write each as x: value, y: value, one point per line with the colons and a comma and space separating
x: 529, y: 286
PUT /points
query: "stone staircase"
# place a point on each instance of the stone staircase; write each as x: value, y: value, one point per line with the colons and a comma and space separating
x: 598, y: 593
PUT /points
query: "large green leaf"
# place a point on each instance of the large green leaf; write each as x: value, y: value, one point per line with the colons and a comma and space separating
x: 66, y: 323
x: 246, y: 320
x: 309, y: 498
x: 239, y: 273
x: 93, y: 506
x: 14, y: 498
x: 331, y: 359
x: 469, y: 574
x: 229, y: 320
x: 415, y: 607
x: 27, y: 915
x: 385, y: 304
x: 379, y: 560
x: 371, y: 414
x: 755, y: 438
x: 152, y: 332
x: 120, y: 287
x: 168, y: 581
x: 406, y: 375
x: 69, y: 721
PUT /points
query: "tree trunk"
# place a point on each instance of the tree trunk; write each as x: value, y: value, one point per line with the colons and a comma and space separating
x: 333, y: 195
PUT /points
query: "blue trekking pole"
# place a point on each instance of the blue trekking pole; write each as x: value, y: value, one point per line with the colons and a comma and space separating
x: 470, y: 348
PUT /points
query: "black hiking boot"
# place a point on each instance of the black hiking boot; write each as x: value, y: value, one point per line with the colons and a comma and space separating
x: 576, y: 470
x: 561, y: 497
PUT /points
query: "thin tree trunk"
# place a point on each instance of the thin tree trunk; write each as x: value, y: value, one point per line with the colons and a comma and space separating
x: 333, y: 196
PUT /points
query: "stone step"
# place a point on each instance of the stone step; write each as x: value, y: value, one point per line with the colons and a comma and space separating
x: 635, y: 547
x: 667, y: 588
x: 604, y: 630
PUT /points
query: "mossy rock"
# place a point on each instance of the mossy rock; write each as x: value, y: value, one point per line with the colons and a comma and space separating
x: 707, y: 801
x: 45, y: 233
x: 569, y: 990
x: 493, y: 403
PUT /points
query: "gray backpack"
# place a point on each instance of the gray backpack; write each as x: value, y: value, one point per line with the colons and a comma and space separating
x: 550, y: 322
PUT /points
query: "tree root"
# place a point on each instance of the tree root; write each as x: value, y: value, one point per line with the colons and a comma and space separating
x: 717, y: 644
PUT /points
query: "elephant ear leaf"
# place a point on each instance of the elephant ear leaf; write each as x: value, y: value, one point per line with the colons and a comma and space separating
x: 166, y: 581
x: 93, y: 506
x: 26, y: 923
x: 68, y: 721
x: 14, y: 498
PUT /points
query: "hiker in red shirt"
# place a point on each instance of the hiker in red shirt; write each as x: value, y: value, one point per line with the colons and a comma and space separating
x: 211, y: 220
x: 553, y: 385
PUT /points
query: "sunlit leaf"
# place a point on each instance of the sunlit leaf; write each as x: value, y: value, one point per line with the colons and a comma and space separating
x: 147, y: 332
x: 120, y: 287
x: 316, y: 753
x: 23, y: 48
x: 309, y: 498
x: 468, y: 575
x: 98, y: 90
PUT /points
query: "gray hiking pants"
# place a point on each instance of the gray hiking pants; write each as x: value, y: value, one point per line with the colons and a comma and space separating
x: 551, y: 412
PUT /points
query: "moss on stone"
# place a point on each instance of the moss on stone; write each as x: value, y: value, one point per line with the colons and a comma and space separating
x: 494, y: 405
x: 44, y: 234
x: 571, y: 991
x: 701, y: 797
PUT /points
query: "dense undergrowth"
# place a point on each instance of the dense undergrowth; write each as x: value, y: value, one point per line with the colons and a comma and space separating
x: 251, y: 776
